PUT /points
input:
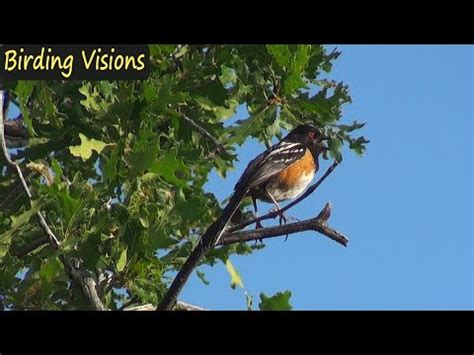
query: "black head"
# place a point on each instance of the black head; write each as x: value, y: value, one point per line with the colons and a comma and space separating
x: 308, y: 135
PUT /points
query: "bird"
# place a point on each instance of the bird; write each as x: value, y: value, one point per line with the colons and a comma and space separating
x: 284, y: 171
x: 280, y: 173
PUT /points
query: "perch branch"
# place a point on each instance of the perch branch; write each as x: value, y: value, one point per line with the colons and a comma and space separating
x: 274, y: 214
x: 87, y: 283
x: 318, y: 224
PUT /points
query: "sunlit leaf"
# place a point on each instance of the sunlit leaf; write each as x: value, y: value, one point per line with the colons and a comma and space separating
x: 235, y: 279
x: 84, y: 150
x: 122, y: 261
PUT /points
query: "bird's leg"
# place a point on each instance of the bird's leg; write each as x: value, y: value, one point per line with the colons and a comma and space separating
x: 283, y: 217
x: 258, y: 224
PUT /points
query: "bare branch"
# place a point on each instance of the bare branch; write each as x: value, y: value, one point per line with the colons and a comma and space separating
x: 275, y: 214
x: 180, y: 306
x: 318, y: 224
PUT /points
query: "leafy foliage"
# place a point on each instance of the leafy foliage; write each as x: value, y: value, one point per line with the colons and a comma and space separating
x: 278, y: 302
x: 120, y: 175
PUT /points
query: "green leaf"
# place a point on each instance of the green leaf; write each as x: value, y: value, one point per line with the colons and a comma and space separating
x: 17, y: 222
x: 293, y: 82
x: 84, y: 150
x: 50, y: 268
x: 58, y: 171
x: 228, y: 75
x: 235, y: 279
x: 278, y: 302
x: 349, y: 128
x: 281, y: 54
x: 358, y: 145
x: 122, y: 261
x: 335, y: 145
x: 23, y: 91
x: 169, y: 166
x: 144, y: 151
x: 202, y: 277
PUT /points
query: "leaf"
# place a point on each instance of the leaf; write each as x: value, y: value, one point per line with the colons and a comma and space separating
x: 349, y: 128
x: 293, y: 82
x: 90, y: 102
x: 335, y: 145
x: 235, y: 279
x: 17, y: 222
x: 163, y: 240
x: 228, y: 76
x: 122, y: 261
x: 281, y: 54
x: 23, y: 91
x: 84, y: 150
x: 298, y: 64
x: 50, y: 268
x: 94, y: 101
x: 58, y: 171
x: 144, y: 151
x: 358, y: 145
x: 278, y: 302
x: 168, y: 166
x: 202, y: 277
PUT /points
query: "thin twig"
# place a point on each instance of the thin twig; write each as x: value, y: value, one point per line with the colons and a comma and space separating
x: 86, y: 282
x: 274, y: 214
x: 204, y: 132
x: 318, y: 224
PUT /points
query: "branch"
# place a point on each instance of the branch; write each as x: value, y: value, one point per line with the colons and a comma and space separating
x: 14, y: 128
x: 274, y: 214
x: 87, y: 283
x: 88, y: 286
x: 32, y: 246
x: 204, y: 132
x: 212, y: 235
x: 318, y: 224
x: 180, y: 306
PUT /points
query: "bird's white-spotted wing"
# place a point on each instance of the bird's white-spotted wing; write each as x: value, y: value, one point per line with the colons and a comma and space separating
x: 271, y: 162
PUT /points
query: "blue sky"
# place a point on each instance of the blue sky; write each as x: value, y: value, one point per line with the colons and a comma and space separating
x: 406, y: 206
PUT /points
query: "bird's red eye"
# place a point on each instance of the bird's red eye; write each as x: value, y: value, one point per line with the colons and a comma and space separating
x: 311, y: 135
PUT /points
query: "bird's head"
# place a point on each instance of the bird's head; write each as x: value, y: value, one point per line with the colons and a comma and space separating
x: 310, y: 136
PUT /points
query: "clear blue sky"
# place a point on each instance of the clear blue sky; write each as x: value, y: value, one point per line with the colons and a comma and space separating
x: 406, y: 205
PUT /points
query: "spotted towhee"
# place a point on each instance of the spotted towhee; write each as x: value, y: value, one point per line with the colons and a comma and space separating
x: 284, y: 170
x: 280, y: 173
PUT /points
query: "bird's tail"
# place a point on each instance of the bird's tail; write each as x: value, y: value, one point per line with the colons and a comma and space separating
x: 208, y: 240
x: 215, y: 231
